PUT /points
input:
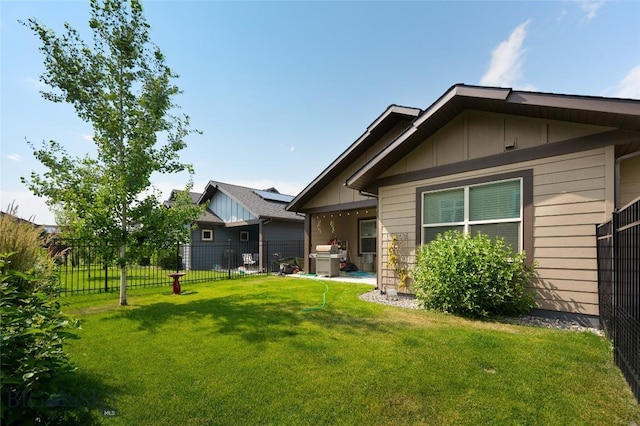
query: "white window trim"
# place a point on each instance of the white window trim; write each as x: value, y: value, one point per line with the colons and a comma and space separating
x: 360, y: 237
x: 202, y: 232
x: 466, y: 223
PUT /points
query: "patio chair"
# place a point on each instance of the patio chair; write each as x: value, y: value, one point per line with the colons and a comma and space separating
x: 247, y: 260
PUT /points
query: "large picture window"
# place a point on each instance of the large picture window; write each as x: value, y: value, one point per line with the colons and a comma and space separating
x: 494, y: 209
x: 367, y: 236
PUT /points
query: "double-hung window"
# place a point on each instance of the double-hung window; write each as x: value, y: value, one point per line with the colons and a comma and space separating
x: 367, y: 236
x: 494, y: 209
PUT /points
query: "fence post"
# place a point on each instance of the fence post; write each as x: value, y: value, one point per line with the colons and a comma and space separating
x: 178, y: 265
x: 106, y: 278
x: 229, y: 258
x: 615, y: 276
x: 266, y: 256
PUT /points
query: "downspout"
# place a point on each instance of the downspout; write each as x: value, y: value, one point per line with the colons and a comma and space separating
x: 261, y: 265
x: 261, y: 248
x: 377, y: 259
x: 367, y: 194
x: 616, y: 196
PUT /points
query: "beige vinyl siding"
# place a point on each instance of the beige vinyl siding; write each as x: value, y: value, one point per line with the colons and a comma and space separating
x: 571, y: 194
x: 396, y: 214
x: 561, y: 252
x: 629, y: 180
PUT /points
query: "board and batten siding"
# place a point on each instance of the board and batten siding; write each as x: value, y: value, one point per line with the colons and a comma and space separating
x: 571, y: 194
x: 336, y: 193
x: 283, y: 231
x: 477, y: 134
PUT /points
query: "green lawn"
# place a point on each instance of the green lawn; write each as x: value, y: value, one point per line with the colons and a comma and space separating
x: 246, y: 352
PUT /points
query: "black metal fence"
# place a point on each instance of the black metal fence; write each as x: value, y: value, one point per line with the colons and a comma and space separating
x: 619, y: 289
x: 85, y: 268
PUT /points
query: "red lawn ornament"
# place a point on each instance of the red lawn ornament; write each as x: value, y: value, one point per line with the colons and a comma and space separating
x: 176, y: 281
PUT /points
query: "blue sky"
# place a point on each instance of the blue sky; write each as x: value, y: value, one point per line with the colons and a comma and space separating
x: 280, y: 89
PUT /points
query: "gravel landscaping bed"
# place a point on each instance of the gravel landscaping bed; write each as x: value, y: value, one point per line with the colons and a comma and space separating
x: 409, y: 302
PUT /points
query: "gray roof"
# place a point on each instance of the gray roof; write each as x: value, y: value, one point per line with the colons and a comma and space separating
x: 193, y: 195
x: 210, y: 217
x: 261, y: 207
x: 207, y: 215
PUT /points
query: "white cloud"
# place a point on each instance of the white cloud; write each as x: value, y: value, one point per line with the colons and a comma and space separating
x: 505, y: 69
x: 88, y: 138
x: 561, y: 17
x: 629, y: 86
x: 292, y: 148
x: 590, y: 8
x: 15, y: 157
x: 35, y: 83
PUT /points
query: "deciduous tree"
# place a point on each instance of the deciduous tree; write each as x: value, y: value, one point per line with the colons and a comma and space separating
x: 121, y: 85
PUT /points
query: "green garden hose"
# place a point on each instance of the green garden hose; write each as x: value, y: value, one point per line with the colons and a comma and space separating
x: 324, y: 301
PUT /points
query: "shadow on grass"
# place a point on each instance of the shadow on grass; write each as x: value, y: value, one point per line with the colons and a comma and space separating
x: 257, y: 317
x: 80, y: 400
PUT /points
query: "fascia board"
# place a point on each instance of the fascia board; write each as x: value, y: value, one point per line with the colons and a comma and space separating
x: 392, y: 109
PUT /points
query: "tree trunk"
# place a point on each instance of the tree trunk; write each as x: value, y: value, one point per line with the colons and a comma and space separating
x: 123, y: 275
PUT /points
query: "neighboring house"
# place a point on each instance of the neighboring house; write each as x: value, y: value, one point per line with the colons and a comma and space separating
x: 46, y: 229
x: 241, y: 221
x: 539, y: 169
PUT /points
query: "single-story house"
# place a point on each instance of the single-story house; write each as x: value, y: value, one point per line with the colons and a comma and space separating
x: 539, y: 169
x: 242, y: 226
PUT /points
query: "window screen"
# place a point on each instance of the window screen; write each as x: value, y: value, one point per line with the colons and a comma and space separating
x: 495, y: 201
x: 367, y: 230
x: 494, y: 209
x: 444, y: 207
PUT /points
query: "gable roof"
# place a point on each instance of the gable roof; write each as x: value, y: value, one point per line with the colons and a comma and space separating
x: 393, y: 115
x: 193, y: 195
x: 207, y: 216
x: 262, y: 203
x: 616, y: 113
x: 623, y: 114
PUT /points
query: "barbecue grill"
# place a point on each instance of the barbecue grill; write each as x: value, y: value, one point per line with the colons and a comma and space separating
x: 328, y: 259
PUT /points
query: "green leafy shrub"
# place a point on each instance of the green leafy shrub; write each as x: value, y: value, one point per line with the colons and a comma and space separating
x: 167, y: 259
x: 32, y: 326
x: 472, y: 276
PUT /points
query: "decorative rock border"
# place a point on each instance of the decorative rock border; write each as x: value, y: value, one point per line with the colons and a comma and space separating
x: 407, y: 302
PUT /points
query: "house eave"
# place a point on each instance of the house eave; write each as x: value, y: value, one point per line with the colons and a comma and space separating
x: 383, y: 123
x: 607, y: 112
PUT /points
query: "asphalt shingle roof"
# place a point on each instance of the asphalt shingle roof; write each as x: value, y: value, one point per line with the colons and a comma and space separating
x: 247, y: 197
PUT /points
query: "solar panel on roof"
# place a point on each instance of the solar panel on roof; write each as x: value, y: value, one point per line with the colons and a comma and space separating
x: 273, y: 196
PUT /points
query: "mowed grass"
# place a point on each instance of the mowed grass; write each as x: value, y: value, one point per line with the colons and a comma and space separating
x: 246, y: 352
